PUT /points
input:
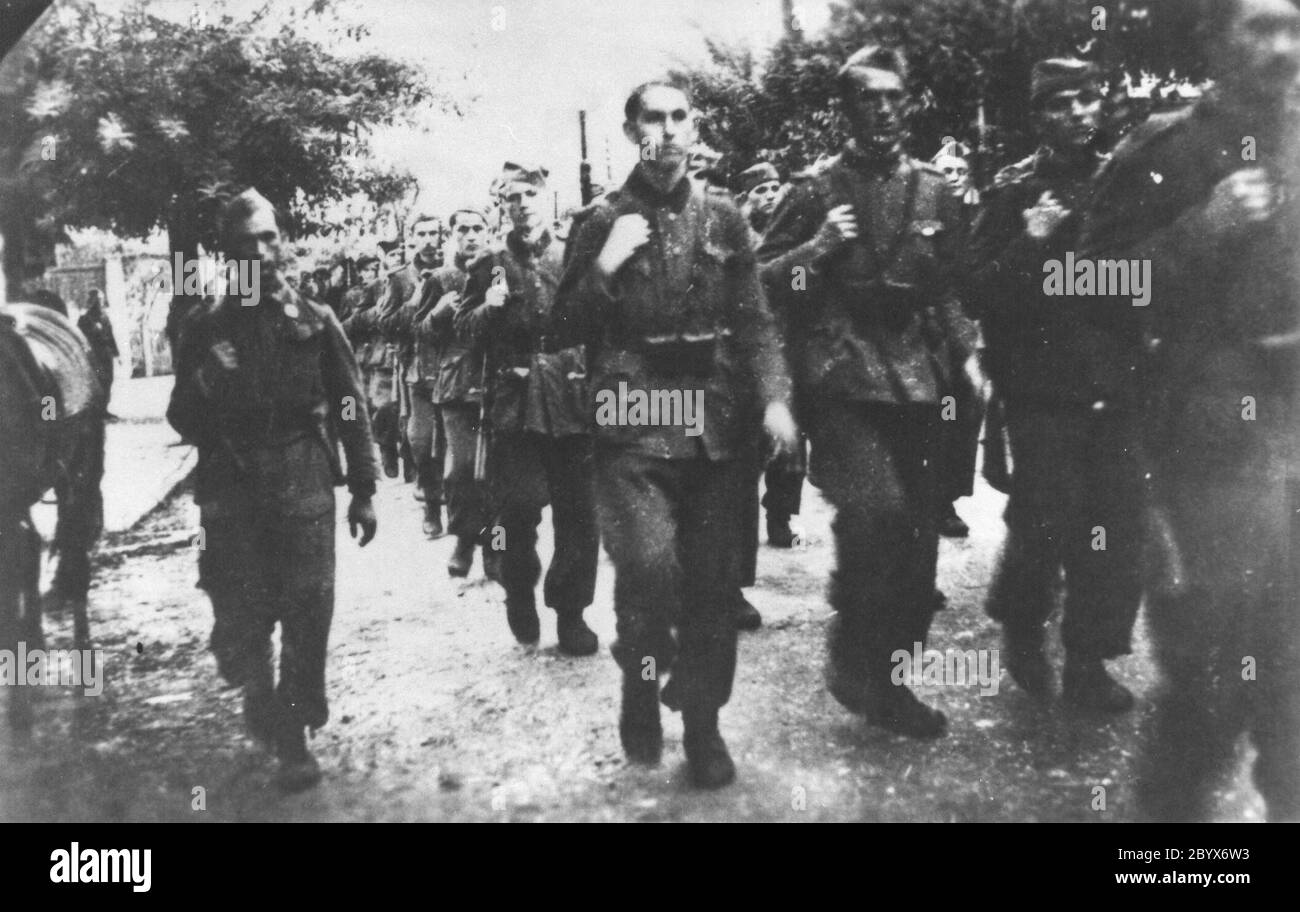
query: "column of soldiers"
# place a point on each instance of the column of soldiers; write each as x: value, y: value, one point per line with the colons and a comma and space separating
x: 862, y: 298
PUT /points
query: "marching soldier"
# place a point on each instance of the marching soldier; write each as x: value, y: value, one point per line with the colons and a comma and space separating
x: 760, y: 187
x: 98, y: 330
x: 418, y: 360
x: 541, y: 442
x: 378, y: 359
x: 1063, y: 368
x: 1210, y: 198
x: 857, y: 263
x: 663, y: 288
x: 447, y: 297
x: 265, y: 389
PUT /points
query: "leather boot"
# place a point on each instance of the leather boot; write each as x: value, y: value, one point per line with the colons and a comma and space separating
x: 576, y: 638
x: 706, y: 753
x: 462, y: 558
x: 298, y: 768
x: 521, y: 615
x: 1088, y: 685
x: 432, y: 519
x: 388, y: 456
x: 779, y: 533
x: 639, y: 727
x: 745, y: 615
x: 1027, y: 661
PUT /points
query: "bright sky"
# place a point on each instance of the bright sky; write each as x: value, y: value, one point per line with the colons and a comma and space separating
x: 532, y: 65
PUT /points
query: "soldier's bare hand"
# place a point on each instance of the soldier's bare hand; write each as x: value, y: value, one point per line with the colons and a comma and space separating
x: 361, y: 517
x: 1242, y: 198
x: 841, y: 225
x: 781, y: 428
x: 496, y: 295
x: 629, y: 234
x: 1044, y: 217
x: 449, y: 301
x: 224, y: 355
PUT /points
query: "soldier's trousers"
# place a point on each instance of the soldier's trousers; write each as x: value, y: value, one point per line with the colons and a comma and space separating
x: 268, y: 557
x: 1076, y: 504
x: 428, y: 440
x: 960, y: 443
x: 1228, y: 647
x: 466, y: 507
x: 876, y: 464
x: 384, y: 406
x: 529, y: 471
x: 783, y: 481
x: 671, y: 528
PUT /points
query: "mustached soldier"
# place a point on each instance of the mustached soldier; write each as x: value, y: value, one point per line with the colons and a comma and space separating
x: 857, y: 263
x: 541, y: 428
x: 1064, y: 369
x: 663, y: 288
x: 1220, y: 228
x: 264, y: 389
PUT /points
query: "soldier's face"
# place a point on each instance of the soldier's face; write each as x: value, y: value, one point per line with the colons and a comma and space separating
x: 1071, y: 119
x: 763, y: 197
x: 470, y: 234
x: 664, y: 129
x: 393, y: 259
x: 875, y: 111
x: 425, y: 235
x: 258, y: 239
x: 1260, y: 56
x: 523, y: 206
x: 370, y: 273
x: 955, y: 170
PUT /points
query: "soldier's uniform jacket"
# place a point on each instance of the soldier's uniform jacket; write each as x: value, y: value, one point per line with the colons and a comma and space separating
x: 362, y: 328
x: 1213, y: 298
x: 402, y: 285
x: 449, y: 352
x: 538, y: 385
x: 296, y: 380
x: 686, y: 312
x: 873, y: 320
x: 1040, y: 347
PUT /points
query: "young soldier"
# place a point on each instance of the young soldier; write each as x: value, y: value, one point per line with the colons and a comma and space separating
x: 541, y: 424
x: 663, y: 288
x: 1063, y: 368
x: 857, y: 261
x: 264, y: 389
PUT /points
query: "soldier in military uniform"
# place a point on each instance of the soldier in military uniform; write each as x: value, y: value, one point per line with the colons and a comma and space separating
x: 98, y: 330
x: 662, y: 286
x: 541, y: 450
x: 378, y: 359
x: 418, y: 362
x: 1210, y: 197
x: 858, y: 263
x: 1063, y: 367
x: 446, y: 298
x: 265, y: 389
x: 760, y: 189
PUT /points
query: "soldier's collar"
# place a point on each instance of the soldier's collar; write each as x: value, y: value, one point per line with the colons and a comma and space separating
x: 516, y: 241
x: 675, y: 199
x: 876, y: 164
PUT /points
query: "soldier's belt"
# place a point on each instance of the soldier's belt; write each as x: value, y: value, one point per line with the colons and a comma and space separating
x: 681, y: 353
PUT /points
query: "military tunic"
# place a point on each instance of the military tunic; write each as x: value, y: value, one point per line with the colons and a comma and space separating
x: 1220, y: 411
x: 267, y: 434
x: 873, y: 334
x: 686, y: 313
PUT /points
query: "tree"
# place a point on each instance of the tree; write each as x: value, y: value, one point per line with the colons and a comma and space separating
x: 963, y: 56
x: 131, y: 121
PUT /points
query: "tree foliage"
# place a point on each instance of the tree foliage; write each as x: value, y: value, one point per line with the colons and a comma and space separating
x: 781, y: 106
x: 155, y: 123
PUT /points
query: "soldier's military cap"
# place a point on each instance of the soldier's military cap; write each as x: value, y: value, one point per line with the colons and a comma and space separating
x: 240, y: 208
x: 389, y: 246
x: 951, y: 147
x: 754, y: 175
x: 873, y: 66
x: 1060, y: 74
x: 513, y: 172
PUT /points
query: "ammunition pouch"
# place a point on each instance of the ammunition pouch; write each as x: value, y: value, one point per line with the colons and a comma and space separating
x: 693, y: 354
